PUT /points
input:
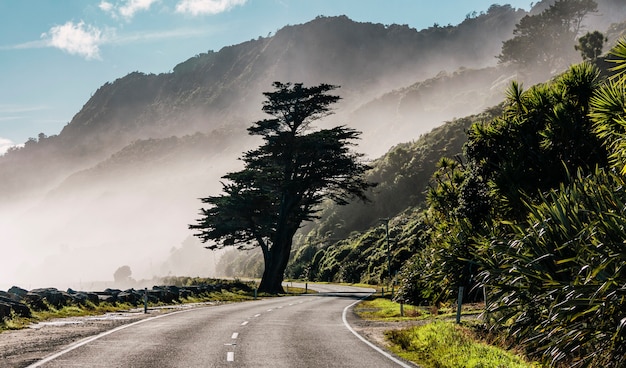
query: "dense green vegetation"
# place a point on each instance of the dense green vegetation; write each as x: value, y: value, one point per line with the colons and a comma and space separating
x: 534, y: 219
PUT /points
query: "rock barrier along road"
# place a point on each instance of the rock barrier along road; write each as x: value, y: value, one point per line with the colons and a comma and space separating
x: 296, y: 331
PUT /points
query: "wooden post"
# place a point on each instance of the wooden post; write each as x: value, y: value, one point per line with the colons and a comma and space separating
x: 459, y: 304
x: 145, y: 300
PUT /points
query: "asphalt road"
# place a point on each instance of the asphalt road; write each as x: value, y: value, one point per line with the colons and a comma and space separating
x: 291, y: 332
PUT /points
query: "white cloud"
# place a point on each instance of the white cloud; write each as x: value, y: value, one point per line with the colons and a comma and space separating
x: 5, y: 144
x: 106, y: 6
x: 77, y: 39
x: 200, y: 7
x: 150, y: 36
x: 126, y: 8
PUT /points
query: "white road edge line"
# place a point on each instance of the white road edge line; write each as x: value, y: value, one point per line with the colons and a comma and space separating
x: 94, y: 338
x: 386, y: 354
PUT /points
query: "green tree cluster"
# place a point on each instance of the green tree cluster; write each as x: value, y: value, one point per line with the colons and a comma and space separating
x: 533, y: 220
x: 547, y: 40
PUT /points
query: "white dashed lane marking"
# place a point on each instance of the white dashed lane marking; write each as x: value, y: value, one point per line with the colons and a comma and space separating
x: 235, y: 335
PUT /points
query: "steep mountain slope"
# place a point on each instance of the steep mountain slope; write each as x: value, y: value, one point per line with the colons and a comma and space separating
x: 222, y: 90
x: 120, y: 183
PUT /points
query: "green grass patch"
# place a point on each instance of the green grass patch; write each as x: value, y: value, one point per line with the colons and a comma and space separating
x: 382, y: 309
x: 446, y: 345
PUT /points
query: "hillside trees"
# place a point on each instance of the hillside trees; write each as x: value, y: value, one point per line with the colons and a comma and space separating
x: 547, y: 39
x: 543, y: 135
x: 590, y: 45
x: 549, y: 250
x: 285, y: 179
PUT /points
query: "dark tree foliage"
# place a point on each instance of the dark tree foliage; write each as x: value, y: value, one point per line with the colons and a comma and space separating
x: 590, y: 45
x: 285, y: 179
x: 544, y: 135
x: 122, y: 274
x: 547, y: 39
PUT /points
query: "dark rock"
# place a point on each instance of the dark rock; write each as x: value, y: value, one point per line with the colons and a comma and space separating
x: 112, y: 291
x: 13, y: 297
x: 17, y: 307
x: 128, y: 297
x: 5, y: 310
x: 184, y: 293
x: 57, y: 299
x: 92, y: 297
x: 18, y: 291
x: 106, y: 298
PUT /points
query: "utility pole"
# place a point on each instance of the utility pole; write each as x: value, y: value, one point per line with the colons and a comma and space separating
x: 386, y: 220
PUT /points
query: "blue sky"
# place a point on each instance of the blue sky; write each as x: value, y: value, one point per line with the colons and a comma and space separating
x: 54, y: 54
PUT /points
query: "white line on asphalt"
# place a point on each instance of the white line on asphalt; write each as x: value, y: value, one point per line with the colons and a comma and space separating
x: 269, y: 310
x: 230, y: 356
x: 94, y: 338
x: 235, y: 335
x: 256, y: 315
x: 345, y: 322
x: 244, y: 323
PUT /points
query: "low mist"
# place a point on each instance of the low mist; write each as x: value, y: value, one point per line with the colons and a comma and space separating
x: 79, y: 234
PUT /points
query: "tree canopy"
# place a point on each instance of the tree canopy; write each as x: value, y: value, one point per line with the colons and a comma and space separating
x: 533, y: 219
x: 548, y: 38
x: 590, y: 45
x: 285, y: 179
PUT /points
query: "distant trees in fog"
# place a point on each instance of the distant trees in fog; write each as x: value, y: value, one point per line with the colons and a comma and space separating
x: 547, y: 39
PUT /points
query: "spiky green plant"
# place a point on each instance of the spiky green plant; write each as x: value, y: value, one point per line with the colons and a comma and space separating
x: 559, y: 284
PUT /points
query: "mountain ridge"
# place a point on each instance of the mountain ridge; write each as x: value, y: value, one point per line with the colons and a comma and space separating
x: 138, y: 187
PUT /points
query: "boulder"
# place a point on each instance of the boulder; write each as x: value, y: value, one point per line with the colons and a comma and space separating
x: 129, y: 296
x: 57, y: 299
x: 13, y: 297
x: 17, y: 307
x: 15, y: 290
x: 106, y: 298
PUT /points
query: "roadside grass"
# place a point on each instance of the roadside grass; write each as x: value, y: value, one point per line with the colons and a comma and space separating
x: 16, y: 322
x: 442, y: 344
x: 383, y: 309
x: 438, y: 342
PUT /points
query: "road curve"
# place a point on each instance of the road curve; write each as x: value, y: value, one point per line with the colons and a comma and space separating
x: 291, y: 332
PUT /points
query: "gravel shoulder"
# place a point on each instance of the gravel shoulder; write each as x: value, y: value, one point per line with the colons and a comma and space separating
x: 21, y: 348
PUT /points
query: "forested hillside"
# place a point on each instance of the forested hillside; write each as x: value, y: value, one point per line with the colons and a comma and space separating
x: 152, y: 144
x: 123, y: 177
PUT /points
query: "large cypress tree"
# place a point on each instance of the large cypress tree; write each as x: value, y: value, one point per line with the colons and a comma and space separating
x: 285, y: 179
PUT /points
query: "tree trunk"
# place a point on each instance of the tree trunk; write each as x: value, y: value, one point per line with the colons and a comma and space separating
x: 276, y: 263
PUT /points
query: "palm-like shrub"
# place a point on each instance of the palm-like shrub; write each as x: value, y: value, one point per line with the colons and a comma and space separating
x: 558, y: 284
